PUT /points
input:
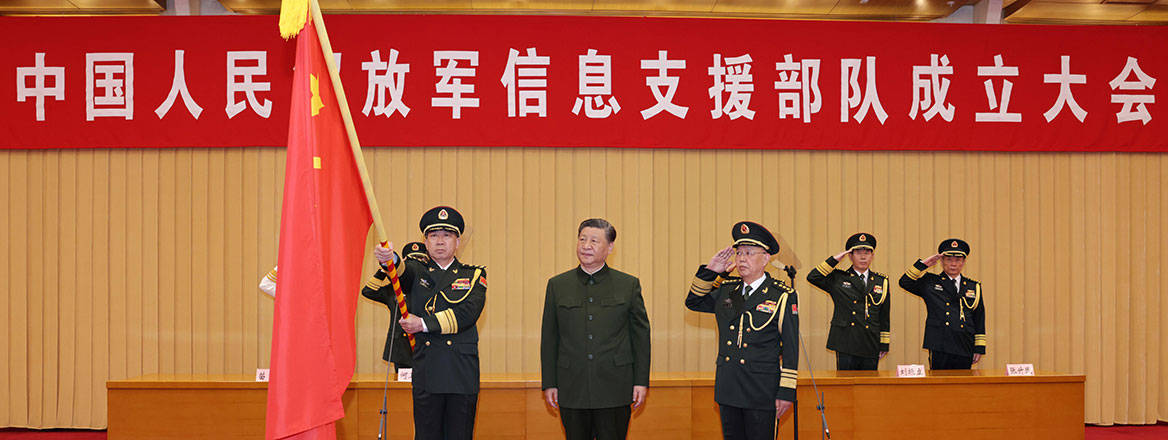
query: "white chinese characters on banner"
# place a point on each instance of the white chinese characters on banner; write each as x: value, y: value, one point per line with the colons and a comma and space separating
x: 1124, y: 82
x: 930, y: 89
x: 385, y: 77
x: 450, y: 80
x: 850, y: 96
x: 178, y: 87
x: 1002, y: 114
x: 242, y: 79
x: 525, y: 78
x: 803, y: 78
x: 595, y: 83
x: 664, y: 100
x: 109, y: 85
x: 734, y: 78
x: 1066, y: 98
x: 40, y: 89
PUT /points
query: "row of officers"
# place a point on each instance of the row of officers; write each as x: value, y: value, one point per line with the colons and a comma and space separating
x: 595, y: 331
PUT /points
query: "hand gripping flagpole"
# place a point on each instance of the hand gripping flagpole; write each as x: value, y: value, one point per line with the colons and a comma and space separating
x: 374, y: 211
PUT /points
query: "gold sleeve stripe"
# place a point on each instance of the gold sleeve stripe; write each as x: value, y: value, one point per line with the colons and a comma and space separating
x: 823, y: 268
x: 272, y: 275
x: 787, y: 383
x: 701, y: 287
x: 914, y: 273
x: 447, y: 321
x: 788, y: 370
x: 885, y: 338
x: 375, y: 283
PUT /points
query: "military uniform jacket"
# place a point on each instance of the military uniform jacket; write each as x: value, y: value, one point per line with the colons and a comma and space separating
x: 378, y: 289
x: 446, y: 359
x: 860, y: 324
x: 758, y: 338
x: 595, y: 340
x: 955, y: 323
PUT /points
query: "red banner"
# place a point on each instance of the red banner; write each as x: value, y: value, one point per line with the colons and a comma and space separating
x: 416, y: 80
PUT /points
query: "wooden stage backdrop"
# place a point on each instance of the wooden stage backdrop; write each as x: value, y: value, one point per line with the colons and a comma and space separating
x: 118, y: 263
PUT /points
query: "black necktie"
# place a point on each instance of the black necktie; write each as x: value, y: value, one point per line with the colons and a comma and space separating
x: 746, y: 291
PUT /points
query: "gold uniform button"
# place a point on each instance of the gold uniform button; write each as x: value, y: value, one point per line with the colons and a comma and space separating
x: 853, y: 323
x: 946, y: 323
x: 946, y: 313
x: 449, y: 343
x: 427, y: 343
x: 865, y: 326
x: 744, y: 345
x: 727, y: 342
x: 946, y: 304
x: 853, y: 313
x: 742, y: 361
x: 731, y: 327
x: 727, y: 358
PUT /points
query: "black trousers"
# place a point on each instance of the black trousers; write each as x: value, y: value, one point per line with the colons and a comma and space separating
x: 939, y: 360
x: 747, y: 424
x: 844, y: 361
x: 596, y: 424
x: 444, y: 416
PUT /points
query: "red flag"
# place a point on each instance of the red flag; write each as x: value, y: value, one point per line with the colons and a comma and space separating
x: 323, y: 227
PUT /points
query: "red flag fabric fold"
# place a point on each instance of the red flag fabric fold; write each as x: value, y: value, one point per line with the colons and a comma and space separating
x: 323, y: 226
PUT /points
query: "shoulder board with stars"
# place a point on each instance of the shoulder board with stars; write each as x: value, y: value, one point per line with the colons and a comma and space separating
x: 783, y: 285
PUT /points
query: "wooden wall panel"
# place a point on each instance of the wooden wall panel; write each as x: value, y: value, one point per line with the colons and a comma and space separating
x: 117, y: 263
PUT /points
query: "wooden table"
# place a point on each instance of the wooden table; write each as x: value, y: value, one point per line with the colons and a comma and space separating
x: 862, y: 405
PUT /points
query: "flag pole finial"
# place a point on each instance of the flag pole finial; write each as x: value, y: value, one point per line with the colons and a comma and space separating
x: 293, y: 16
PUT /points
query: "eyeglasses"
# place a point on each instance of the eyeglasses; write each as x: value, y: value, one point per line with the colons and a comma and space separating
x: 751, y: 252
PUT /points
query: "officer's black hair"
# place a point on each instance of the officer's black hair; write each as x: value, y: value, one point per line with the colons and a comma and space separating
x: 599, y: 223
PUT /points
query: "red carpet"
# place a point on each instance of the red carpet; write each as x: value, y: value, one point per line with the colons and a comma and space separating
x: 50, y: 434
x: 1119, y: 432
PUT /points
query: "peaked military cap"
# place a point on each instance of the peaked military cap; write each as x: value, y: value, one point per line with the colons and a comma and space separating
x: 954, y: 247
x: 441, y: 218
x: 754, y: 234
x: 861, y: 240
x: 415, y: 250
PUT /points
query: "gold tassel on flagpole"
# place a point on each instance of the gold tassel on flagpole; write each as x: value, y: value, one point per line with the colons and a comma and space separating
x: 293, y: 16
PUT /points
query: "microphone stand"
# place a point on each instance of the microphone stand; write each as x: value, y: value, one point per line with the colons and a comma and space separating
x: 385, y: 389
x: 824, y: 433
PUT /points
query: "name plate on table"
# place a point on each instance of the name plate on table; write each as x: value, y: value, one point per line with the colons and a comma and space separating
x: 405, y: 375
x: 261, y: 374
x: 1019, y: 369
x: 911, y: 370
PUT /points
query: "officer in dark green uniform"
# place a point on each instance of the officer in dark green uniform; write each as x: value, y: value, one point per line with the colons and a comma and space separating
x: 758, y: 333
x: 445, y: 298
x: 594, y: 350
x: 955, y: 325
x: 401, y: 356
x: 859, y: 332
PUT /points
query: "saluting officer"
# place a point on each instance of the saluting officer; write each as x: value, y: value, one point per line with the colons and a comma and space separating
x: 955, y: 325
x: 859, y: 332
x: 401, y: 356
x: 758, y: 333
x: 445, y: 298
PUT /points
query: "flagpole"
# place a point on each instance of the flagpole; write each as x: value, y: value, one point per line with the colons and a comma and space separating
x: 374, y: 211
x: 350, y: 129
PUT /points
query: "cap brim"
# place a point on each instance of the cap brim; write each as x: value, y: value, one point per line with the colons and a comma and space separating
x: 861, y: 246
x: 751, y: 242
x: 954, y: 253
x: 441, y: 227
